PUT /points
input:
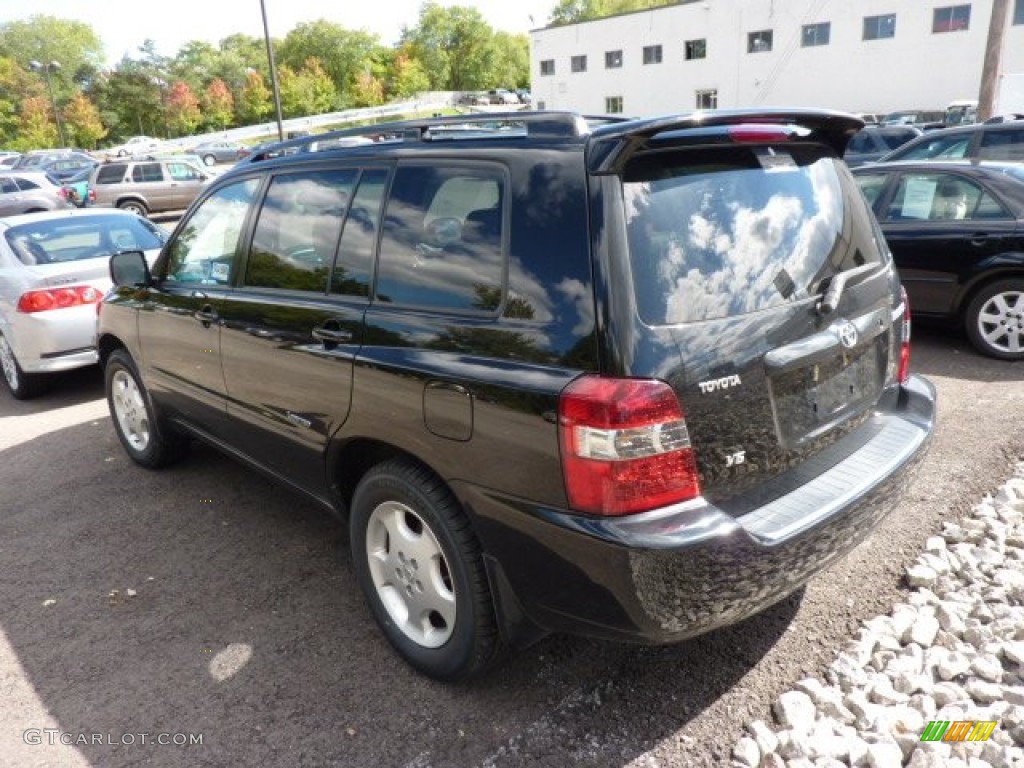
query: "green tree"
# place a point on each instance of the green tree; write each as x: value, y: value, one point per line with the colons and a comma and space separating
x: 573, y: 11
x: 344, y: 54
x: 407, y: 76
x: 369, y: 91
x: 36, y: 129
x: 255, y: 103
x: 218, y: 104
x: 455, y: 46
x: 14, y: 89
x: 183, y: 113
x: 82, y: 123
x: 130, y: 102
x: 74, y: 44
x: 510, y: 65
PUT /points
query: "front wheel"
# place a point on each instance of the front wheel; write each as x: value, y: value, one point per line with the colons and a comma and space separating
x: 420, y: 566
x: 135, y: 421
x: 995, y: 320
x: 22, y: 385
x: 209, y: 160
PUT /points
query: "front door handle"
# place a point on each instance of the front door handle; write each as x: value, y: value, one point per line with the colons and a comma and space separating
x: 207, y: 315
x: 332, y: 336
x: 979, y: 238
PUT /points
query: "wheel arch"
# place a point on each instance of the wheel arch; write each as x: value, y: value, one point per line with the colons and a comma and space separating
x: 981, y: 282
x: 107, y: 344
x: 131, y: 199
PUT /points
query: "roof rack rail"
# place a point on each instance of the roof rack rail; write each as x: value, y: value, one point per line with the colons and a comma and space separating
x: 480, y: 125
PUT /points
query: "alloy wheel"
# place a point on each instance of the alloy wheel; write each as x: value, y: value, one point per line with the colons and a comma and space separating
x: 1001, y: 322
x: 130, y: 410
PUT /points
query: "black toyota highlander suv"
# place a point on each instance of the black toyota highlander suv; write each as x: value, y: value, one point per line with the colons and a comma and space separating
x: 635, y: 379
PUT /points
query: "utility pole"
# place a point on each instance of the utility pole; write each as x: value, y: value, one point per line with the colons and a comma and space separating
x: 993, y: 54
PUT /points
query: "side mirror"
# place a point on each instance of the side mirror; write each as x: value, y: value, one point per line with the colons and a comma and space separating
x: 128, y: 269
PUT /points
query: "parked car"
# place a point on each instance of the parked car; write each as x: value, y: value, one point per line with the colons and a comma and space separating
x: 8, y: 159
x: 925, y: 119
x: 146, y: 186
x: 62, y: 167
x: 985, y: 141
x: 956, y: 230
x: 635, y: 380
x: 502, y: 96
x: 54, y: 268
x: 213, y: 152
x: 873, y: 141
x: 136, y: 145
x: 29, y: 192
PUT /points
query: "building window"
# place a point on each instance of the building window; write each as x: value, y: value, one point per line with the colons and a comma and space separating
x: 707, y: 99
x: 760, y: 41
x: 613, y: 105
x: 816, y: 34
x: 652, y: 54
x: 547, y: 67
x: 579, y: 64
x: 698, y: 49
x: 879, y: 27
x: 612, y: 59
x: 954, y: 18
x: 1018, y: 12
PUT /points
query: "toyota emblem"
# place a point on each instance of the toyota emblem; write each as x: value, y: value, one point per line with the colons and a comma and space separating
x: 848, y: 335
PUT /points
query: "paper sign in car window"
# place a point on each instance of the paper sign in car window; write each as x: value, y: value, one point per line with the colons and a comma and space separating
x: 918, y: 196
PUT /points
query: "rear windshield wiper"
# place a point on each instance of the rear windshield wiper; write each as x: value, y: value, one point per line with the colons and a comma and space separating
x: 837, y: 283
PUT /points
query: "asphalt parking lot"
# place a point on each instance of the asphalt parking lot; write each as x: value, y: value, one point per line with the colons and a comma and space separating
x: 145, y: 611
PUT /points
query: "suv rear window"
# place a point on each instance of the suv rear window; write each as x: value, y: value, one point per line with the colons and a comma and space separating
x: 725, y: 231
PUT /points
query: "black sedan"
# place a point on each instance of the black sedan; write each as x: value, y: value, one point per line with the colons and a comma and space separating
x: 956, y: 231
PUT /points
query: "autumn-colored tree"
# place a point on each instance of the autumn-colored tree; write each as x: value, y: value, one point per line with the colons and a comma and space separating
x: 36, y: 129
x: 218, y: 104
x: 183, y: 113
x: 407, y: 76
x: 255, y: 103
x: 368, y: 91
x: 321, y: 87
x: 82, y: 124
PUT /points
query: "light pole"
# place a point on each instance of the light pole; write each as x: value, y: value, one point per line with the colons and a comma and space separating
x: 273, y: 72
x: 46, y: 69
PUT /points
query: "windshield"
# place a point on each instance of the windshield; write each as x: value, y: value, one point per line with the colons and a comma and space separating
x: 726, y: 231
x: 77, y: 238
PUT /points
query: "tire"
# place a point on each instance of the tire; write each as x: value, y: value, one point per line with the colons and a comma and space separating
x: 134, y: 206
x: 148, y: 442
x: 209, y: 160
x: 22, y: 386
x: 421, y: 570
x: 995, y: 320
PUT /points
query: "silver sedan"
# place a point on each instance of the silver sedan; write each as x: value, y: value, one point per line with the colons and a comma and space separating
x: 53, y: 272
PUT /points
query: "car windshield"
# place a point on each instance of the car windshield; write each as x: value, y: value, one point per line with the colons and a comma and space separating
x: 720, y: 232
x: 88, y: 237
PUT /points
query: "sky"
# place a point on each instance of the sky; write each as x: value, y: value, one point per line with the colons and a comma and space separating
x: 123, y: 25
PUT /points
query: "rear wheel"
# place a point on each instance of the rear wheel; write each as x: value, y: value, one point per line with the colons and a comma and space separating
x: 209, y: 159
x: 419, y: 565
x: 146, y: 441
x: 21, y: 385
x: 134, y: 206
x: 995, y: 320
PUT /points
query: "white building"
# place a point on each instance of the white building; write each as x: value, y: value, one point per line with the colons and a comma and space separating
x: 860, y: 56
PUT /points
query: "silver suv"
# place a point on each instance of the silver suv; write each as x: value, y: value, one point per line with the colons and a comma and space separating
x: 145, y: 186
x: 29, y: 192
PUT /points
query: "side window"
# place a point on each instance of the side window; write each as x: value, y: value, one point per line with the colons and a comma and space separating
x: 110, y: 174
x: 354, y: 268
x: 26, y: 185
x: 441, y: 245
x: 939, y: 197
x: 184, y: 172
x: 204, y: 250
x: 7, y: 186
x: 950, y: 147
x: 871, y: 186
x: 147, y: 172
x: 1002, y: 145
x: 298, y: 228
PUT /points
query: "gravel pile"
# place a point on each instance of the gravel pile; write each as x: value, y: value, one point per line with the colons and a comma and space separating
x: 953, y: 652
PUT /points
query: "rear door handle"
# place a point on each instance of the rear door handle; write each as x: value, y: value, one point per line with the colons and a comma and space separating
x: 331, y: 336
x: 207, y: 315
x: 979, y: 238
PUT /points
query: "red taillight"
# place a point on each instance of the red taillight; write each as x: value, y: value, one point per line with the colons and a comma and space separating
x: 63, y: 192
x: 754, y: 133
x: 904, y: 370
x: 625, y: 447
x: 58, y: 298
x: 92, y: 195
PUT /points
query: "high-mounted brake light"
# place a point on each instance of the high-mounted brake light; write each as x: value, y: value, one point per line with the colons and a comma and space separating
x: 58, y: 298
x: 904, y: 370
x: 753, y: 133
x: 625, y: 446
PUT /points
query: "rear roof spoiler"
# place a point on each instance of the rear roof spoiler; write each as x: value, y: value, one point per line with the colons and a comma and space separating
x: 611, y: 146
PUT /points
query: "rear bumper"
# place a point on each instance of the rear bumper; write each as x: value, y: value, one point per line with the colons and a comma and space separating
x: 58, y: 340
x: 669, y: 574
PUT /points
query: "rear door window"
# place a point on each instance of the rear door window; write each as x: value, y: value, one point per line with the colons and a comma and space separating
x: 1002, y: 144
x: 147, y: 172
x: 441, y: 245
x: 726, y: 231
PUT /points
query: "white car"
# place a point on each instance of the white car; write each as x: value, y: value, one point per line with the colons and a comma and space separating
x: 136, y: 145
x: 53, y: 272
